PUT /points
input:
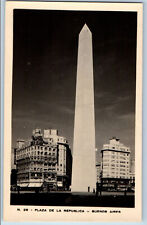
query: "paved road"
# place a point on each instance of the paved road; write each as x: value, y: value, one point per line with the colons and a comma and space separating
x: 72, y: 199
x: 103, y: 193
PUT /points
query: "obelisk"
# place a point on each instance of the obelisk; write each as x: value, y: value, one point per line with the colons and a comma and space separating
x: 83, y: 169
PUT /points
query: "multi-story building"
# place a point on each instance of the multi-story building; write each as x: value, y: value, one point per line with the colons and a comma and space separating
x: 98, y: 172
x: 64, y: 163
x: 132, y: 173
x: 132, y: 166
x: 97, y: 156
x: 115, y: 164
x: 44, y: 161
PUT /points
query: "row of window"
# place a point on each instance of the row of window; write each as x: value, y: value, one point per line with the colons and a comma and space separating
x: 39, y: 158
x: 117, y: 165
x: 114, y: 174
x: 36, y: 147
x: 110, y: 153
x: 118, y: 148
x: 35, y: 153
x: 114, y: 168
x: 123, y: 177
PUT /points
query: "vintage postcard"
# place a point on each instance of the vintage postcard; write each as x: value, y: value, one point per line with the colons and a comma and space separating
x: 73, y: 111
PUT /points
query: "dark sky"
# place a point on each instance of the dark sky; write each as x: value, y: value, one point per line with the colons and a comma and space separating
x: 44, y: 72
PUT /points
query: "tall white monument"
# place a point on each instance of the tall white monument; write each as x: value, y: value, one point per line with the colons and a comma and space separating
x: 83, y: 170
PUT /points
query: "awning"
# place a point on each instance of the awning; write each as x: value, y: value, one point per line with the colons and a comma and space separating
x: 59, y: 184
x: 35, y: 184
x: 23, y: 185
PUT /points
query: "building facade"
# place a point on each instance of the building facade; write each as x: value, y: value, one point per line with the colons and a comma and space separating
x: 132, y: 174
x: 115, y: 165
x: 44, y: 162
x: 64, y: 162
x: 98, y: 172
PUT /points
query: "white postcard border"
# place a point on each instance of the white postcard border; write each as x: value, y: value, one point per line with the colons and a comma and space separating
x: 10, y: 212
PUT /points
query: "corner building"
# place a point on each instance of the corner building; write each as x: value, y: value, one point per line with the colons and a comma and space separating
x: 115, y: 165
x: 44, y: 161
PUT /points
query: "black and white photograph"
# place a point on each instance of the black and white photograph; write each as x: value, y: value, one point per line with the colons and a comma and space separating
x: 73, y: 109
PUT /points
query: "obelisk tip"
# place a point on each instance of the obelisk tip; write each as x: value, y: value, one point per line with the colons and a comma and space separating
x: 85, y: 28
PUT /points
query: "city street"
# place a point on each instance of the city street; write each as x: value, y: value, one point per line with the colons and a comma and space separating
x: 74, y: 199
